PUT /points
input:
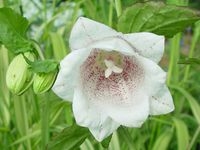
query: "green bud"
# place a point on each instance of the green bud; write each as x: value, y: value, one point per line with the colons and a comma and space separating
x: 43, y: 82
x: 19, y: 76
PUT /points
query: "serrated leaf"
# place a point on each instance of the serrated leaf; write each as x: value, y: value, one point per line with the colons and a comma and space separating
x: 156, y: 17
x: 12, y: 31
x: 189, y: 61
x: 69, y: 139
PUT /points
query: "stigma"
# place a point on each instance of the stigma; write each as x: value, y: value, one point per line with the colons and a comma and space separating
x: 111, y: 68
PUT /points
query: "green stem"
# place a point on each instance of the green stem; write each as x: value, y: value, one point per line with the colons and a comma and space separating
x: 54, y: 5
x: 173, y: 70
x: 91, y: 8
x: 193, y: 44
x: 4, y: 92
x: 161, y: 121
x: 197, y: 132
x: 110, y: 17
x: 1, y: 3
x: 118, y: 6
x: 22, y: 118
x: 103, y: 10
x: 38, y: 49
x: 45, y: 121
x: 45, y: 10
x: 153, y: 132
x: 127, y: 137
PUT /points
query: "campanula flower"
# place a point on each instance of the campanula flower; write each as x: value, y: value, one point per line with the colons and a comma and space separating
x: 111, y: 78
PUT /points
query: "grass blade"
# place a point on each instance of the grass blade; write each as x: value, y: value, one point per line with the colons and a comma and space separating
x: 192, y: 101
x: 163, y: 141
x: 182, y: 134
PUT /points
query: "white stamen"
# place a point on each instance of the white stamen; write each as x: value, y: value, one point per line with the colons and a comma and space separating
x: 111, y: 68
x: 108, y: 72
x: 109, y: 63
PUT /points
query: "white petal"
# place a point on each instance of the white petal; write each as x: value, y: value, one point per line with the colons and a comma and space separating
x: 105, y: 130
x: 67, y: 76
x: 115, y: 43
x: 147, y: 44
x: 137, y: 109
x: 162, y: 102
x: 154, y: 84
x: 89, y: 115
x: 86, y: 31
x: 132, y: 115
x: 108, y: 72
x: 89, y: 33
x: 155, y: 77
x: 116, y: 69
x: 122, y: 96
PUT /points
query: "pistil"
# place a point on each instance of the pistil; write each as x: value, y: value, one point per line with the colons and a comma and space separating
x: 111, y: 68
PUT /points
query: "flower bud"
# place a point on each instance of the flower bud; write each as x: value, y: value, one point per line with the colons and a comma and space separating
x: 43, y: 82
x: 18, y: 75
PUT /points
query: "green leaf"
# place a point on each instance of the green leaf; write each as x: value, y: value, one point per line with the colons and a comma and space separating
x: 115, y: 142
x: 192, y: 101
x: 156, y: 17
x: 42, y: 66
x: 182, y: 134
x: 69, y: 139
x: 105, y: 143
x: 163, y: 141
x: 189, y: 61
x: 125, y: 135
x: 58, y: 44
x: 13, y: 31
x: 87, y: 145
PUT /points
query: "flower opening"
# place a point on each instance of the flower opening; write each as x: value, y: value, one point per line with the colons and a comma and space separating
x: 109, y: 82
x: 115, y: 88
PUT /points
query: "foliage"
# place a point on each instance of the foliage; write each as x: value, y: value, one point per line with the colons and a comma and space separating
x: 69, y: 139
x: 13, y: 28
x: 157, y: 18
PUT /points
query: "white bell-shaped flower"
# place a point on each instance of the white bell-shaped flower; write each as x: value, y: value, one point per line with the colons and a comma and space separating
x: 112, y: 78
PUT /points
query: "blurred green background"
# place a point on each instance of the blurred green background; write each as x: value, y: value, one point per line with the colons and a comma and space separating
x: 30, y: 121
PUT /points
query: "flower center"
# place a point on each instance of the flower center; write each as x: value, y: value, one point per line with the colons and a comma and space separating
x: 111, y: 68
x: 111, y: 77
x: 110, y: 62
